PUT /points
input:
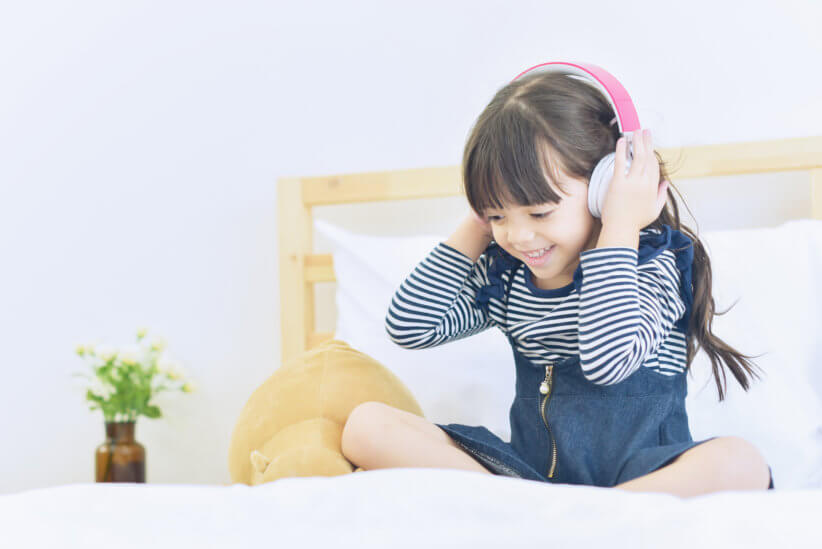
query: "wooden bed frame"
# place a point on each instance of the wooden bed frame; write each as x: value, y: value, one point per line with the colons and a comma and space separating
x: 301, y: 268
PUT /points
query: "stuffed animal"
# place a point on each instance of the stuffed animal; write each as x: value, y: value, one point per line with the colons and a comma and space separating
x: 292, y: 424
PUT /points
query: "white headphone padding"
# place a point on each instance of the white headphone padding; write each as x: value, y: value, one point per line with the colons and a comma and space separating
x: 598, y: 185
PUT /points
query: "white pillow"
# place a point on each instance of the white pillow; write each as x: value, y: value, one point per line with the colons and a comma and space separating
x: 774, y: 274
x: 471, y: 381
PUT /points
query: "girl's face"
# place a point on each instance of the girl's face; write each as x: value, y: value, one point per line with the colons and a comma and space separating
x: 568, y: 227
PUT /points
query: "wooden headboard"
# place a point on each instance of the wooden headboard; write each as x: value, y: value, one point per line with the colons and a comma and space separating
x: 301, y: 268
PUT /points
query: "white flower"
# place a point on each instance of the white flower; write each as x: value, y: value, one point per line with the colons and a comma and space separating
x: 172, y: 368
x: 158, y: 344
x: 130, y: 354
x: 106, y: 352
x: 101, y: 389
x: 141, y: 333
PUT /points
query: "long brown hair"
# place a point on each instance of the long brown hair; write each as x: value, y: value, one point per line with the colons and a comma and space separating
x: 545, y: 122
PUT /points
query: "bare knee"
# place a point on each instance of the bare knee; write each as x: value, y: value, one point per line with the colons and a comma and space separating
x: 739, y: 464
x: 363, y: 426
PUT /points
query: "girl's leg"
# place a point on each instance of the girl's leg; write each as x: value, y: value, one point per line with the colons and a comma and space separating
x: 378, y: 436
x: 724, y: 463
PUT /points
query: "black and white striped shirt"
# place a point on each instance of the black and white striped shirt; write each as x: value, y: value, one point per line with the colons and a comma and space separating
x: 622, y: 317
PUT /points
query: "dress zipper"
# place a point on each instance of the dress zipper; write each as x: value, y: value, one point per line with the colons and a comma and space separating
x: 545, y: 388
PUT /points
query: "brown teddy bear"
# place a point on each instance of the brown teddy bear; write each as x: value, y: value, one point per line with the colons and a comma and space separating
x: 292, y: 424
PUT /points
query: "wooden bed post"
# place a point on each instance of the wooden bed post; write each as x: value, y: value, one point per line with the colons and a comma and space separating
x: 295, y: 237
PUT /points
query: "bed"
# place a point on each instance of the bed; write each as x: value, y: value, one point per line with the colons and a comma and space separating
x: 422, y: 507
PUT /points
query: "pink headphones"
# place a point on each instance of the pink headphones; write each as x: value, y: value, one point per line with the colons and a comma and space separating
x: 626, y: 117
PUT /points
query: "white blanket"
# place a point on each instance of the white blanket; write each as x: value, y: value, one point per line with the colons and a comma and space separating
x: 409, y: 507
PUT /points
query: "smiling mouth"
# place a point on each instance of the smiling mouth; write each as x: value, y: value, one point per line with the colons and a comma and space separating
x: 541, y: 259
x: 542, y: 251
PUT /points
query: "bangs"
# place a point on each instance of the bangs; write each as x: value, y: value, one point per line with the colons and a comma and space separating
x: 511, y: 165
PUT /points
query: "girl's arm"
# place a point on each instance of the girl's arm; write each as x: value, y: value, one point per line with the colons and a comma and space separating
x: 436, y: 303
x: 472, y: 237
x: 626, y: 311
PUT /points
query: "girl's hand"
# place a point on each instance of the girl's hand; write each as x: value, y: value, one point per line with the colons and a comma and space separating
x: 635, y: 199
x: 481, y: 224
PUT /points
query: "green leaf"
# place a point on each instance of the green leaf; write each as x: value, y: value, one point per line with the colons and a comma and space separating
x: 152, y: 412
x: 94, y: 398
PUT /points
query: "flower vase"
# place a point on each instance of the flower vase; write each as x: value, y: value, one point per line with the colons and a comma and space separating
x: 120, y: 458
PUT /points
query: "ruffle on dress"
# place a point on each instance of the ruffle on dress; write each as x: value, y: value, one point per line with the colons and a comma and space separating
x: 499, y: 261
x: 651, y: 244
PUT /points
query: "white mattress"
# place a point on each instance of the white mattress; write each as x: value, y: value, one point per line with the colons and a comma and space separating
x: 408, y: 507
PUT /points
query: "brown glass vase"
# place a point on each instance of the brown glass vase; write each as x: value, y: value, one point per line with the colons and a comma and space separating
x: 120, y: 458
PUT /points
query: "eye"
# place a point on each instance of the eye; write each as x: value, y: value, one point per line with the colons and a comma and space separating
x: 494, y: 218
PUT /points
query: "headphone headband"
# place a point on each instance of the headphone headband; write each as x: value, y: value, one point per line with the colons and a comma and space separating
x: 614, y: 92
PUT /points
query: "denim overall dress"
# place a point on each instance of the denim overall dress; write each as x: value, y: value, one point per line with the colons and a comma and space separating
x: 566, y: 429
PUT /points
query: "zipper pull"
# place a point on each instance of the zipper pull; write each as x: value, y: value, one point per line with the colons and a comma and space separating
x: 543, y: 387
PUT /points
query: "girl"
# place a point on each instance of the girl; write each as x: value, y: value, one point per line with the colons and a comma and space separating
x: 602, y: 312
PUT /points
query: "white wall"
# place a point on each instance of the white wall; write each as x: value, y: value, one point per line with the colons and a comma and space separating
x: 140, y: 146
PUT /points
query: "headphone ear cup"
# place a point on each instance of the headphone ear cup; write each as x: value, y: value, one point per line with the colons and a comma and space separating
x: 600, y: 181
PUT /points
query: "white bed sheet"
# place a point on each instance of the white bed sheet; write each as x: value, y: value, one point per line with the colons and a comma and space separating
x: 407, y: 507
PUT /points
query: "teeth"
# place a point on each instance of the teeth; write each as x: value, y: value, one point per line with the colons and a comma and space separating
x: 538, y: 254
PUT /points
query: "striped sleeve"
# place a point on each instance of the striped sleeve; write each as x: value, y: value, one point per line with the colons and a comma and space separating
x: 625, y: 312
x: 436, y: 303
